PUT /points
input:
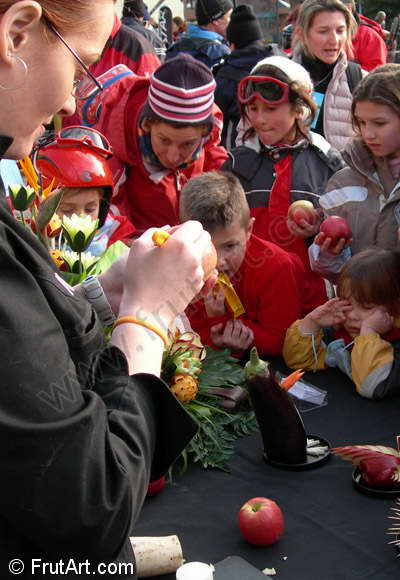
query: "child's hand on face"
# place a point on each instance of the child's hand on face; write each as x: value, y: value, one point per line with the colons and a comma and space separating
x: 303, y: 229
x: 235, y: 335
x: 328, y: 314
x: 379, y: 321
x: 326, y: 244
x: 214, y: 303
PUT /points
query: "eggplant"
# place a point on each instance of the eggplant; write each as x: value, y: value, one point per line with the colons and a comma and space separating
x: 282, y: 429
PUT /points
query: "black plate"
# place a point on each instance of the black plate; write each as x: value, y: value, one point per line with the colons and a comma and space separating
x: 311, y: 460
x: 375, y: 491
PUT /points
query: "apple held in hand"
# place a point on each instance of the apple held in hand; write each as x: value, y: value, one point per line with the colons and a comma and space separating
x: 261, y: 521
x: 335, y: 227
x: 302, y: 210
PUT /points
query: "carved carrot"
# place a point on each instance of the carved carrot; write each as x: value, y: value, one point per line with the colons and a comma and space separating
x: 288, y: 382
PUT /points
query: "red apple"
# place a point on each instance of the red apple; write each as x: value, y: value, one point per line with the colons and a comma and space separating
x: 156, y: 486
x: 261, y: 521
x: 302, y: 210
x: 335, y: 227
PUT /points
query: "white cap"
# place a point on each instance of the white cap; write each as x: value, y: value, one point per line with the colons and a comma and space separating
x: 195, y: 571
x: 293, y: 70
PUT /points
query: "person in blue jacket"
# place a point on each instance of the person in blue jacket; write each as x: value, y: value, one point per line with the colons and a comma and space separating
x: 206, y: 40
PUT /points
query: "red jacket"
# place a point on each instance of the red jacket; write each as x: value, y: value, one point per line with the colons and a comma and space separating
x: 147, y: 199
x: 369, y: 47
x: 267, y: 285
x: 125, y: 46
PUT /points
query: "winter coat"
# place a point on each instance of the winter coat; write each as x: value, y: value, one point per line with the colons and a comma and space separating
x: 357, y: 194
x: 338, y: 128
x: 205, y: 45
x: 127, y: 47
x: 147, y: 196
x: 373, y: 362
x: 369, y: 47
x: 137, y: 26
x: 312, y: 165
x: 80, y: 437
x: 267, y: 286
x: 235, y: 66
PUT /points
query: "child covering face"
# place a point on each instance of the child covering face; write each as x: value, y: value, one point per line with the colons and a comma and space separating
x: 364, y: 336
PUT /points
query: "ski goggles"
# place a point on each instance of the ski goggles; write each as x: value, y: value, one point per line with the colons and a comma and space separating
x: 75, y: 136
x: 271, y: 91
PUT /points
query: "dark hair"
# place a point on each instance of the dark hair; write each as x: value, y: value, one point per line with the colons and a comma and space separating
x: 372, y: 277
x: 381, y: 86
x: 215, y: 199
x: 299, y: 97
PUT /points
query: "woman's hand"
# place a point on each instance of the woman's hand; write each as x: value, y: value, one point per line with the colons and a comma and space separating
x: 234, y: 335
x: 378, y: 321
x: 160, y: 281
x: 328, y: 314
x: 326, y: 244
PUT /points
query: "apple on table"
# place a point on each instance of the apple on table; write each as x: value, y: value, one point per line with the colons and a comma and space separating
x: 261, y: 521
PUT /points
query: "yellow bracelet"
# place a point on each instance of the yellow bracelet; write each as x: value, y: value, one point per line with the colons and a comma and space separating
x: 152, y: 327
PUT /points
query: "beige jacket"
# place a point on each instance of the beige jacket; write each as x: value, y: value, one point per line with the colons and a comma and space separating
x: 337, y: 105
x: 357, y: 194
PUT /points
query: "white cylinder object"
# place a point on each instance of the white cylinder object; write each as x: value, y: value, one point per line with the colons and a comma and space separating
x: 195, y: 571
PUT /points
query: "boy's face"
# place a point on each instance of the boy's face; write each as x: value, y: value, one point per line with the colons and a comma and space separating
x: 231, y: 244
x: 174, y: 146
x: 85, y: 201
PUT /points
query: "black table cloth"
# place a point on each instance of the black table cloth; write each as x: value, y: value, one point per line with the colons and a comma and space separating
x: 332, y: 530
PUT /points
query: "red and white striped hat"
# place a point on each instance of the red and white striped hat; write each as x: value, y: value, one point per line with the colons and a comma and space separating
x: 181, y: 92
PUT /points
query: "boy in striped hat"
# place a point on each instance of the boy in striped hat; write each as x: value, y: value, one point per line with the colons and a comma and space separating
x: 163, y: 130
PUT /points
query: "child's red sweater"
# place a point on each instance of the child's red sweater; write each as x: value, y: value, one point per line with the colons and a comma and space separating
x: 267, y: 283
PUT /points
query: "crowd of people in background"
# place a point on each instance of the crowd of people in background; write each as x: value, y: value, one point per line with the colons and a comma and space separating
x: 212, y: 127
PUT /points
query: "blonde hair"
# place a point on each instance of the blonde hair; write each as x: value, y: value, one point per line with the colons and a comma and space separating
x: 308, y: 10
x: 65, y: 15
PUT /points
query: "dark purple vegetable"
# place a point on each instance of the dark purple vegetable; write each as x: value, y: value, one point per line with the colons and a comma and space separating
x: 281, y: 426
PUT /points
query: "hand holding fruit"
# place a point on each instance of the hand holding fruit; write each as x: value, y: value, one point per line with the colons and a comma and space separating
x: 304, y: 219
x: 378, y: 321
x: 328, y: 314
x: 179, y: 267
x: 334, y: 235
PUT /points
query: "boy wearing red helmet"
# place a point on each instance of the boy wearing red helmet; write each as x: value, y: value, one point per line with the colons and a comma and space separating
x: 76, y: 159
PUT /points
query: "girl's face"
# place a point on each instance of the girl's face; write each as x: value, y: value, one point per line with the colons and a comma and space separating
x: 51, y: 71
x: 81, y: 202
x: 273, y: 124
x: 379, y: 126
x: 356, y: 316
x: 326, y: 36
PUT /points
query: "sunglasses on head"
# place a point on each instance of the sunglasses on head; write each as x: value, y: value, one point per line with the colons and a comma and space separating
x: 77, y: 135
x: 271, y: 91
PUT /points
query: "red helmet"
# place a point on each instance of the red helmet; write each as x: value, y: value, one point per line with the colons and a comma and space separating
x: 76, y: 157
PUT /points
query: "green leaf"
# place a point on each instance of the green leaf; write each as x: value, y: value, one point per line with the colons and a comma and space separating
x: 48, y: 208
x: 111, y: 255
